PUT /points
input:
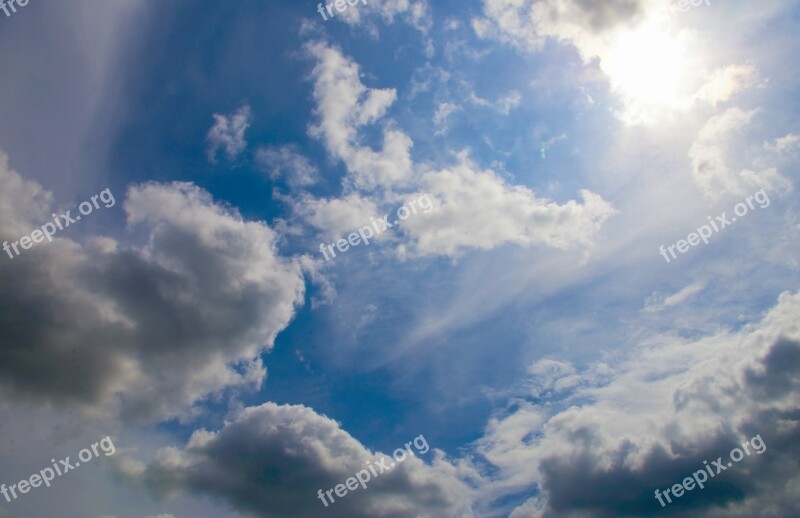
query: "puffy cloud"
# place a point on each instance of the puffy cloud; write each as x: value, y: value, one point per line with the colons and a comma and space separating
x: 603, y: 449
x: 271, y: 461
x: 344, y: 105
x: 477, y: 210
x: 228, y: 133
x: 336, y: 216
x: 286, y: 163
x: 148, y: 332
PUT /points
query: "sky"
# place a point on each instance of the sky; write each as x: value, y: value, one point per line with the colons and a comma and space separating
x: 401, y: 258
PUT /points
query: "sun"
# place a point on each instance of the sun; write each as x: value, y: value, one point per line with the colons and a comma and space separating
x: 652, y: 67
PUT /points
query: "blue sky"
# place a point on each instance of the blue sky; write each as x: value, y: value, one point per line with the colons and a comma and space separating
x: 525, y: 323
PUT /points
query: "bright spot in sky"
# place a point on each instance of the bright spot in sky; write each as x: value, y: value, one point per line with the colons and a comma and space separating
x: 652, y: 67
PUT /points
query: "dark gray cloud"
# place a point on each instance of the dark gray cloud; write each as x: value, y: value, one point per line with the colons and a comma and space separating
x: 601, y: 15
x: 148, y: 331
x: 271, y: 460
x: 604, y: 450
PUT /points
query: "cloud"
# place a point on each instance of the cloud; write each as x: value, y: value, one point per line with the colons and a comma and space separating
x: 344, y: 104
x: 443, y: 112
x: 658, y: 303
x: 336, y: 216
x: 503, y: 105
x: 525, y: 23
x: 414, y: 12
x: 148, y: 332
x: 785, y: 144
x: 724, y: 82
x: 603, y: 449
x: 477, y: 210
x: 649, y: 58
x: 271, y: 460
x: 710, y: 168
x: 228, y: 133
x: 287, y: 164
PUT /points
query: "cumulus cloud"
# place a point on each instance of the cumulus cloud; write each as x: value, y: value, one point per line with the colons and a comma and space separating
x: 344, y: 105
x: 477, y: 210
x: 603, y: 449
x: 287, y: 164
x: 336, y: 216
x: 147, y: 331
x: 227, y: 133
x: 290, y: 453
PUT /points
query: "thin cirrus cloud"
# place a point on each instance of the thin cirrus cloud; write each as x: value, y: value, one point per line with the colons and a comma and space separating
x: 287, y: 164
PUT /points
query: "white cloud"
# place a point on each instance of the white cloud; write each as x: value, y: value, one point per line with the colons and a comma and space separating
x: 477, y: 210
x: 503, y: 105
x: 228, y: 133
x: 336, y: 216
x: 286, y: 163
x: 649, y: 58
x: 708, y: 154
x: 443, y: 111
x: 724, y: 82
x: 658, y: 303
x: 785, y: 144
x: 414, y: 12
x: 344, y: 104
